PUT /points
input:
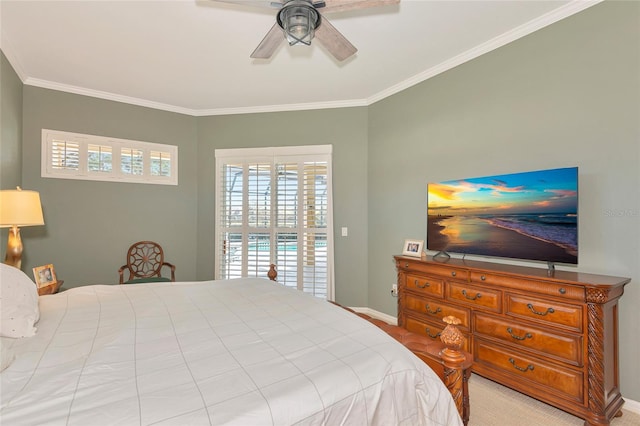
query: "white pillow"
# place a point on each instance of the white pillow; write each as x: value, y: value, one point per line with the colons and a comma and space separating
x: 18, y: 303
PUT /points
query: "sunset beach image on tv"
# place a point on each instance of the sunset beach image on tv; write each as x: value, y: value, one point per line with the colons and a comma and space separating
x: 530, y: 215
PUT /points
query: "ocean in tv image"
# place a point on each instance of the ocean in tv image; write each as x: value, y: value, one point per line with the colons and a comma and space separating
x: 530, y: 215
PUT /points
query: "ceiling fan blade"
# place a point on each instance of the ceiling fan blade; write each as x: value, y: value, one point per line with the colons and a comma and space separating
x: 334, y: 41
x: 345, y: 5
x: 270, y: 4
x: 269, y: 43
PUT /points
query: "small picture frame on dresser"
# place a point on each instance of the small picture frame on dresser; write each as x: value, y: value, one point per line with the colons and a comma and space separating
x: 44, y: 275
x: 413, y: 248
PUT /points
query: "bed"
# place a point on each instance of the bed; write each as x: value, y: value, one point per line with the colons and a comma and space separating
x: 230, y: 352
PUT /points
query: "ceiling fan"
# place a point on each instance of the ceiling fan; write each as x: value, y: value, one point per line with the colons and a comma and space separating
x: 302, y: 20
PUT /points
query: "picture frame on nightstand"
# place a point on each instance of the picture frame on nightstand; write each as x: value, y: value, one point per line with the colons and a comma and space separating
x: 44, y: 275
x: 413, y: 248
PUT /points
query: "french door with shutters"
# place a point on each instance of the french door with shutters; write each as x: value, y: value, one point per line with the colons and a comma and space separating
x: 274, y: 205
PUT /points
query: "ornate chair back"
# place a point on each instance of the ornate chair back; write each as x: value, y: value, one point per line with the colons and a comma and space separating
x: 145, y: 260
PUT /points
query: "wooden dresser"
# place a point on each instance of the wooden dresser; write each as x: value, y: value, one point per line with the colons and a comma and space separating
x: 552, y: 337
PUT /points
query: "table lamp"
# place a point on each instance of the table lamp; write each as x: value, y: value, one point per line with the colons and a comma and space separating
x: 18, y: 208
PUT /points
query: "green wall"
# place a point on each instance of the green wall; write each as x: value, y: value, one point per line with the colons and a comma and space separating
x: 10, y: 134
x: 567, y: 95
x: 90, y: 225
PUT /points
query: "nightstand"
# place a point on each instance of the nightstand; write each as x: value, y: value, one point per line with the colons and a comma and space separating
x: 52, y: 288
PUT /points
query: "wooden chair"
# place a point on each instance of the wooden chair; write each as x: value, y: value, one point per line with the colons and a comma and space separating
x: 145, y: 260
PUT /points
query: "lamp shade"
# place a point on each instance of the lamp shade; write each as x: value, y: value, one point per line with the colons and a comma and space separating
x: 20, y: 208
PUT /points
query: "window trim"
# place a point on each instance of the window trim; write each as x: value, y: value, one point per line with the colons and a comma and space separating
x: 276, y: 155
x: 116, y: 144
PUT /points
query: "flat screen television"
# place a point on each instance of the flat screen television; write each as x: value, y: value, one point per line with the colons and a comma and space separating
x: 530, y: 216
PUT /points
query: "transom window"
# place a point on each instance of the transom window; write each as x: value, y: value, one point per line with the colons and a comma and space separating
x: 78, y: 156
x: 273, y: 205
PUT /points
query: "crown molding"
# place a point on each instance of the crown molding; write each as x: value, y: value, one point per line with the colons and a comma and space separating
x: 45, y: 84
x: 499, y: 41
x: 193, y: 112
x: 5, y: 46
x: 284, y: 107
x: 493, y: 44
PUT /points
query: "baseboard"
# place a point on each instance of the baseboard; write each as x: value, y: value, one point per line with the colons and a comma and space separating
x: 629, y: 404
x: 377, y: 315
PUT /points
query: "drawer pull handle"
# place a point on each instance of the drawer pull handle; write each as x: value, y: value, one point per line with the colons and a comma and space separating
x: 526, y: 336
x: 549, y: 310
x: 482, y: 277
x: 433, y: 336
x: 425, y: 285
x: 524, y: 370
x: 562, y: 290
x: 465, y: 294
x: 429, y: 310
x: 453, y: 273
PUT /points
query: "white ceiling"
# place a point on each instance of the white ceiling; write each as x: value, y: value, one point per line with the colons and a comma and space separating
x: 192, y: 56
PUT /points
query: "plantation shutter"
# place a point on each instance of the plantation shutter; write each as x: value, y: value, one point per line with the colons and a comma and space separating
x: 273, y: 205
x: 65, y: 155
x: 100, y: 158
x: 89, y: 157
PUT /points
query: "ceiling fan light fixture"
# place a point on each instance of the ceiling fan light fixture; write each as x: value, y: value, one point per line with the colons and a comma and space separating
x: 299, y: 20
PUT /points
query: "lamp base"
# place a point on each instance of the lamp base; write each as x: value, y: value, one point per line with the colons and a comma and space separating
x: 14, y: 248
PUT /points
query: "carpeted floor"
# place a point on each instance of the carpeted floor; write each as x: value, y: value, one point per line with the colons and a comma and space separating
x: 496, y: 405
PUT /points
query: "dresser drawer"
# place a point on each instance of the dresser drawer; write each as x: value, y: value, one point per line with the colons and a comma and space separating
x: 436, y: 309
x: 446, y: 271
x: 528, y: 370
x: 566, y: 291
x: 545, y: 311
x: 563, y: 347
x: 434, y: 269
x: 426, y: 285
x: 433, y: 330
x: 478, y: 297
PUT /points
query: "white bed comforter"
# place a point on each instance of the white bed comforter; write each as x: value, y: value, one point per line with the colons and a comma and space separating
x: 242, y: 352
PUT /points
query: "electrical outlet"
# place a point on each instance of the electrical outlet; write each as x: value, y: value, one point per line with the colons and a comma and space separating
x: 394, y: 290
